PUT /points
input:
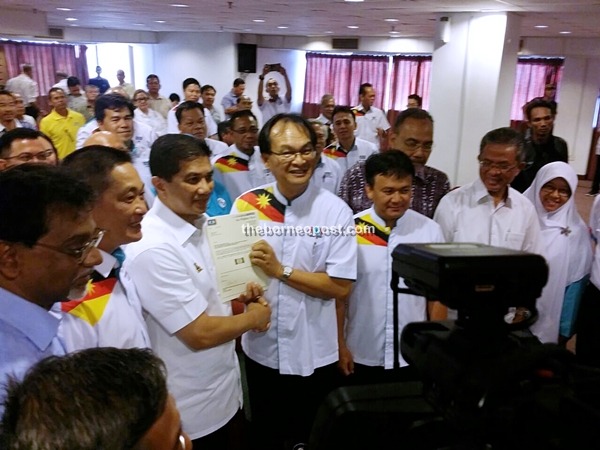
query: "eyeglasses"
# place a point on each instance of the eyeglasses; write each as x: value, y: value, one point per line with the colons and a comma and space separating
x: 80, y: 253
x: 252, y: 130
x: 306, y: 154
x: 549, y: 189
x: 503, y: 168
x: 27, y: 157
x: 141, y: 99
x: 413, y: 145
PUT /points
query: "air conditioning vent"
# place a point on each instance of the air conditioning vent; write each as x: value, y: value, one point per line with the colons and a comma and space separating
x: 344, y: 43
x: 56, y: 33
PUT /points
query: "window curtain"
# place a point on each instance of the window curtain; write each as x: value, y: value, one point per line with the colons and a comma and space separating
x: 531, y: 78
x: 341, y: 76
x: 46, y: 60
x: 410, y: 75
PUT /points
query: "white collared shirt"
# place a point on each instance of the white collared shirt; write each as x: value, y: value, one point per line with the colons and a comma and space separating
x: 153, y: 119
x: 271, y: 108
x: 360, y: 151
x: 3, y: 128
x: 370, y: 322
x: 368, y: 122
x: 171, y: 271
x: 25, y: 86
x: 239, y: 172
x: 105, y: 317
x: 303, y: 332
x: 468, y: 214
x: 328, y: 174
x: 595, y: 229
x: 173, y: 126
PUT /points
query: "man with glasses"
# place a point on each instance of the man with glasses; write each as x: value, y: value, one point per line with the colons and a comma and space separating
x: 107, y: 316
x: 144, y: 114
x: 61, y: 124
x: 24, y: 145
x: 488, y: 211
x: 241, y: 168
x: 291, y: 367
x: 48, y: 241
x: 64, y: 402
x: 413, y: 136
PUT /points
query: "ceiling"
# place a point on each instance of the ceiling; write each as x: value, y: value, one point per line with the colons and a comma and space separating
x: 415, y: 18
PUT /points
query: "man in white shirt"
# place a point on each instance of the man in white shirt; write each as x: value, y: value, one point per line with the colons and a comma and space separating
x: 328, y: 173
x: 61, y: 81
x: 191, y: 93
x: 367, y: 349
x: 372, y: 124
x: 291, y: 368
x: 274, y: 104
x: 172, y: 272
x: 127, y: 87
x: 208, y: 94
x: 27, y: 87
x: 107, y: 316
x: 488, y: 211
x: 190, y: 120
x: 158, y: 102
x: 349, y: 149
x: 326, y: 115
x: 8, y: 119
x: 240, y: 168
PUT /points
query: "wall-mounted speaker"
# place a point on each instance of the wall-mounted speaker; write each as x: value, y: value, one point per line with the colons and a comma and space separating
x: 247, y: 58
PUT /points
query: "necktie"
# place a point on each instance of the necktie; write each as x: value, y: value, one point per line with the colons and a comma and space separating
x: 119, y: 254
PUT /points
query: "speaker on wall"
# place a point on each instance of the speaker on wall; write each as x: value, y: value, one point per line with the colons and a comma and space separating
x: 247, y: 58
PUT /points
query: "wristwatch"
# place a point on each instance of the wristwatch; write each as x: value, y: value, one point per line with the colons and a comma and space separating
x: 287, y: 271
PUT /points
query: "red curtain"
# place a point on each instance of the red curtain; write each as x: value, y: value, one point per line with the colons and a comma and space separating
x: 410, y: 75
x: 341, y: 76
x: 46, y: 60
x: 531, y: 78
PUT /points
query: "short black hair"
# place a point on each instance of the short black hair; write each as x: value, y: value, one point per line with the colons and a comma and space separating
x: 238, y: 81
x: 411, y: 113
x: 94, y: 165
x: 114, y: 102
x: 417, y: 98
x: 98, y: 398
x: 6, y: 92
x: 539, y: 103
x: 343, y: 109
x: 73, y: 81
x: 54, y: 89
x: 149, y: 77
x: 206, y: 87
x: 170, y: 150
x: 363, y: 88
x: 189, y: 81
x: 222, y: 128
x: 391, y: 163
x: 20, y: 133
x: 239, y: 114
x: 188, y: 106
x: 264, y: 138
x: 507, y: 136
x: 30, y: 194
x: 174, y: 97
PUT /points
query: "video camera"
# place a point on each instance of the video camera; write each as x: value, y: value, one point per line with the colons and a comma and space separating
x: 484, y: 381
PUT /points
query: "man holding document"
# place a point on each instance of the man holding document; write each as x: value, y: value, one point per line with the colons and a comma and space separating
x: 172, y: 271
x: 291, y: 367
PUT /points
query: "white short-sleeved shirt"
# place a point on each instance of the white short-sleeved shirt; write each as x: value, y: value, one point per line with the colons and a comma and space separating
x: 303, y: 332
x: 370, y: 315
x: 172, y: 273
x: 270, y: 108
x: 468, y: 214
x: 153, y: 119
x: 217, y: 148
x: 25, y: 86
x: 105, y: 317
x: 360, y: 151
x: 173, y: 126
x: 239, y: 172
x: 595, y: 228
x: 367, y: 123
x: 328, y: 174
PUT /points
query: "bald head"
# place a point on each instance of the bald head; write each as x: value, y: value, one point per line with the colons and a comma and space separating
x: 118, y: 90
x: 104, y: 138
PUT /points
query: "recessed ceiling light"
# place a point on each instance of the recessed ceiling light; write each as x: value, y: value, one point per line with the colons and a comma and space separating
x: 394, y: 32
x: 258, y: 20
x: 71, y: 19
x: 353, y: 26
x: 160, y: 21
x: 395, y: 36
x: 565, y: 32
x: 64, y: 9
x: 541, y: 26
x: 179, y: 5
x: 329, y: 32
x: 354, y: 1
x: 282, y: 27
x: 391, y: 20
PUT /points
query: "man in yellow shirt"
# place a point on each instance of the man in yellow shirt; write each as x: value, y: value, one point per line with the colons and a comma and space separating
x: 61, y: 124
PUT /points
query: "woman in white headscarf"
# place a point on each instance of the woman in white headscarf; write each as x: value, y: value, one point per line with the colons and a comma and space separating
x: 567, y: 249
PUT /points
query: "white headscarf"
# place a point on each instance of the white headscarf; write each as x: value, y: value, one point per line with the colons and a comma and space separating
x: 567, y: 248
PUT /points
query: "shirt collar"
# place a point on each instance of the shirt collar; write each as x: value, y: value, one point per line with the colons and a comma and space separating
x: 32, y: 320
x: 339, y: 146
x: 181, y: 229
x: 237, y: 152
x: 482, y: 195
x: 306, y: 197
x: 18, y: 124
x: 109, y: 262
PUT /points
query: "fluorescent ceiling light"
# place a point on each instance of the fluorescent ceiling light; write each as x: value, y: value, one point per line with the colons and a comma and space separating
x: 64, y: 9
x: 391, y: 20
x: 71, y: 19
x: 282, y: 27
x: 258, y: 20
x: 160, y: 21
x: 541, y: 26
x: 180, y: 5
x: 353, y: 26
x: 565, y: 32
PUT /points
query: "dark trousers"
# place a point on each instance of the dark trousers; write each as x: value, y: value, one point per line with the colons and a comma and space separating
x: 587, y: 347
x: 377, y: 375
x: 284, y: 406
x: 231, y: 436
x: 596, y: 182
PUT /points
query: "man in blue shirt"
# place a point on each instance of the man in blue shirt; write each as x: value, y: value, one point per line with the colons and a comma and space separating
x: 48, y: 241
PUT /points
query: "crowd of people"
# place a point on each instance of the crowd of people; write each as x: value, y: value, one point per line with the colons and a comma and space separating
x: 109, y: 304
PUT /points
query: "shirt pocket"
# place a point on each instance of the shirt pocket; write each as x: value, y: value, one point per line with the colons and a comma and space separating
x: 515, y: 240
